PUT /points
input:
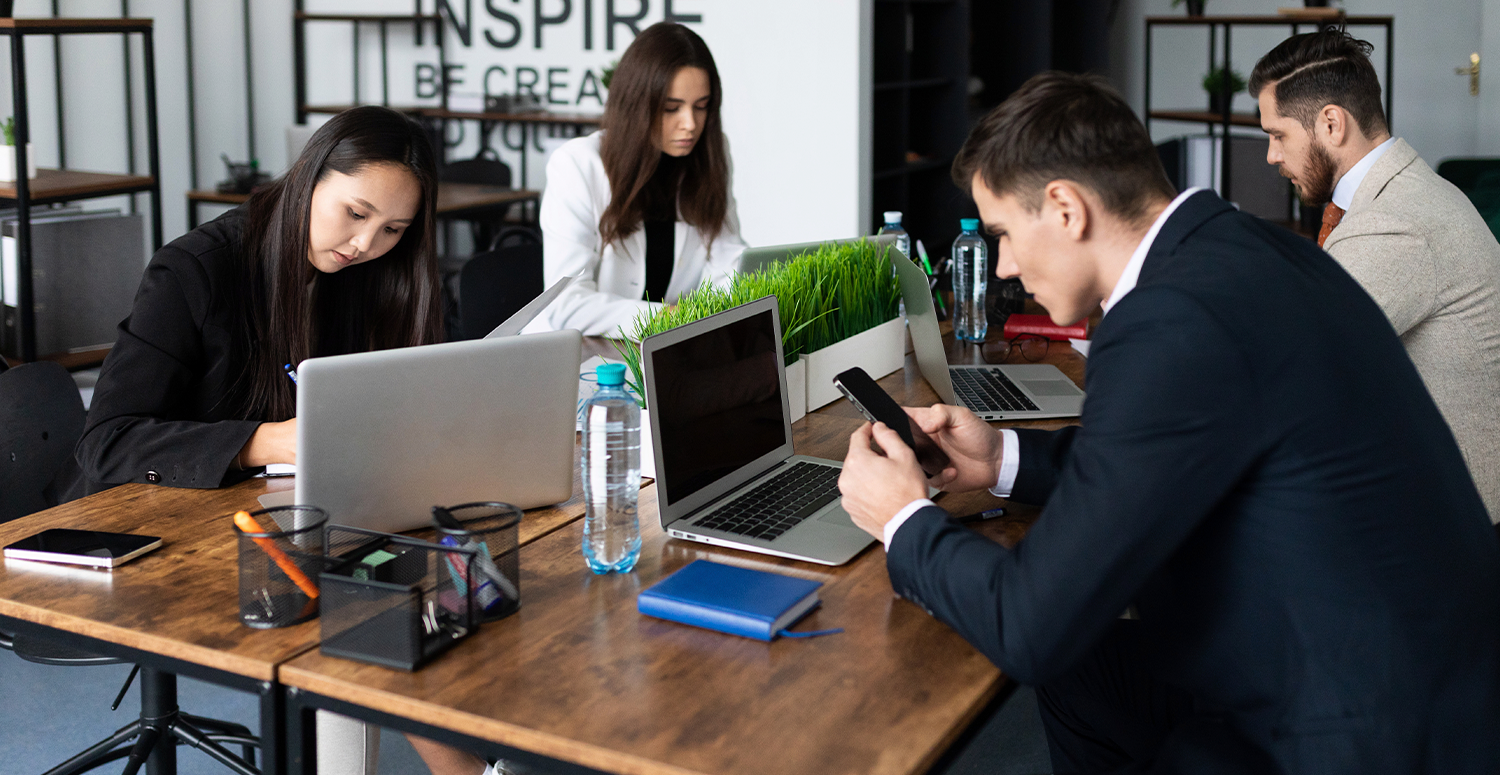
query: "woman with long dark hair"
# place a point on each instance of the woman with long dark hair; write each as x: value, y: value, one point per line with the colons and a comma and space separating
x: 643, y: 210
x: 334, y: 257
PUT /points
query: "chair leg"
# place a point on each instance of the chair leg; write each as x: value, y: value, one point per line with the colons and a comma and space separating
x: 121, y: 696
x: 247, y: 751
x: 189, y: 734
x: 142, y: 749
x: 98, y: 753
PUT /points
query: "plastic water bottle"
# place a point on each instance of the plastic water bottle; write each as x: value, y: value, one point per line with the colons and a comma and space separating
x: 611, y: 474
x: 971, y: 275
x: 893, y: 226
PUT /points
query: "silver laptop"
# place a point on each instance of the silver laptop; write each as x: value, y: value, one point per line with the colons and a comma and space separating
x: 384, y: 436
x: 755, y: 258
x: 1032, y: 391
x: 517, y: 321
x: 722, y: 438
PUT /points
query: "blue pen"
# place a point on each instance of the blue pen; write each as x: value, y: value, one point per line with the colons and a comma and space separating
x: 291, y: 373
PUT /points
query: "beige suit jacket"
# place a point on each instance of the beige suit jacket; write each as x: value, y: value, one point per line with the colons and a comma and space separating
x: 1419, y: 247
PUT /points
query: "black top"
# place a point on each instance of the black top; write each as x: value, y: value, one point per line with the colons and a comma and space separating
x: 1288, y: 513
x: 160, y: 411
x: 660, y: 222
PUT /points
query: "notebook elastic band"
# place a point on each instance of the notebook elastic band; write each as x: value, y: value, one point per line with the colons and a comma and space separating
x: 809, y: 634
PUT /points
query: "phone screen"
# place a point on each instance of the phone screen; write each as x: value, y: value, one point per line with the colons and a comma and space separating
x: 878, y: 406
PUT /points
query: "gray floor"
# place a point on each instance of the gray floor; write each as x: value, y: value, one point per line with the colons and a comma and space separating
x: 49, y: 713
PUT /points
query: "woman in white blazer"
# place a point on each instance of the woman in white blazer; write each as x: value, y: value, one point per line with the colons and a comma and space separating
x: 643, y: 210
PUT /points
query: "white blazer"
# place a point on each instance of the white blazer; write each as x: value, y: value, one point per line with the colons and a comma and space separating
x: 607, y: 296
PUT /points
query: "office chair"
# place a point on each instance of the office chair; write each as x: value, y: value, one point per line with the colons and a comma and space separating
x: 485, y: 169
x: 495, y: 284
x: 41, y: 419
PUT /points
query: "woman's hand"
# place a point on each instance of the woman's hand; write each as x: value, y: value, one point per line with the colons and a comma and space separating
x: 272, y: 442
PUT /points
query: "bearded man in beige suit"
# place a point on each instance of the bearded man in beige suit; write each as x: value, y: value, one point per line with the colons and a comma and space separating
x: 1412, y: 239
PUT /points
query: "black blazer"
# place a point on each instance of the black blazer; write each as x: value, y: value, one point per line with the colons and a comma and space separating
x: 160, y: 411
x: 1261, y: 472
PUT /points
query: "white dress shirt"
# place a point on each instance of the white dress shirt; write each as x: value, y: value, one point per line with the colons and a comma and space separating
x: 1010, y: 456
x: 1343, y: 191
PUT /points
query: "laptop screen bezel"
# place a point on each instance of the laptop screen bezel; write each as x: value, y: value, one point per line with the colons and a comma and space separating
x: 739, y: 477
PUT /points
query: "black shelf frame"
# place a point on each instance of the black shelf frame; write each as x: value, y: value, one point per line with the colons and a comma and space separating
x: 919, y: 104
x: 301, y: 18
x: 1227, y: 118
x: 18, y: 30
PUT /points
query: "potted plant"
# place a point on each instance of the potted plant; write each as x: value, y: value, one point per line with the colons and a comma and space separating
x: 1194, y: 7
x: 838, y: 307
x: 8, y: 153
x: 1214, y: 84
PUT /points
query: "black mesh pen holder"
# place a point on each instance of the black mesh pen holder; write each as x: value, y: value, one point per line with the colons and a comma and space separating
x: 492, y: 529
x: 392, y: 600
x: 280, y: 557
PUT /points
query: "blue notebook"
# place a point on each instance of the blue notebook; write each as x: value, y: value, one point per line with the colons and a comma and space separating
x: 730, y: 599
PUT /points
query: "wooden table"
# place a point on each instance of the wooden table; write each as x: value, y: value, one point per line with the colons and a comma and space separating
x: 581, y: 680
x: 454, y: 199
x: 175, y: 610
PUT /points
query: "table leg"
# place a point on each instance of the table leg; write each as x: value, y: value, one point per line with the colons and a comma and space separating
x: 159, y: 702
x: 301, y: 739
x: 273, y: 757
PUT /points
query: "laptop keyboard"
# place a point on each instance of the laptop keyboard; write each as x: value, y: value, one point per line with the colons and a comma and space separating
x: 987, y: 390
x: 779, y: 503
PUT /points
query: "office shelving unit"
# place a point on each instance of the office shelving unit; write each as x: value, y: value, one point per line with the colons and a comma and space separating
x: 920, y: 101
x: 1226, y: 118
x: 54, y: 186
x: 300, y: 20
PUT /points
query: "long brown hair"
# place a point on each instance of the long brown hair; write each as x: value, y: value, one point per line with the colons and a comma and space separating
x: 292, y: 311
x: 632, y: 121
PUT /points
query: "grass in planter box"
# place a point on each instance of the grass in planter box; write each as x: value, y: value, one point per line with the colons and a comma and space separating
x: 823, y: 296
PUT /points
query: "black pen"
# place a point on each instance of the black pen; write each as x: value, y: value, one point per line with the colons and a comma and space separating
x: 983, y: 515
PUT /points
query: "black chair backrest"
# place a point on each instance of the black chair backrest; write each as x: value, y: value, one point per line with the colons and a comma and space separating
x: 1465, y: 173
x: 490, y: 172
x: 495, y: 284
x: 41, y: 419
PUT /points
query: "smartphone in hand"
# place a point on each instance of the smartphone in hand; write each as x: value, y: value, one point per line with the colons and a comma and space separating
x: 878, y: 406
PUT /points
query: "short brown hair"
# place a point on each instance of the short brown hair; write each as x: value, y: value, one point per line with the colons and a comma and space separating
x: 1065, y: 126
x: 1328, y: 67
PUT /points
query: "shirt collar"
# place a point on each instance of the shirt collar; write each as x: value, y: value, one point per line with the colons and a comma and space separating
x: 1343, y: 193
x: 1132, y: 272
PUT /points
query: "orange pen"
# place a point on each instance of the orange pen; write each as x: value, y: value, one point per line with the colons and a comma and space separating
x: 247, y: 523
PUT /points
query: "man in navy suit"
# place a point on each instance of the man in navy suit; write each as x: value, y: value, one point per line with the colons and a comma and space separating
x: 1260, y: 474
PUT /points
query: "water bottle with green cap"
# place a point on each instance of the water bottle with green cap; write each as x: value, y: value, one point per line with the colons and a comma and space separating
x: 611, y: 474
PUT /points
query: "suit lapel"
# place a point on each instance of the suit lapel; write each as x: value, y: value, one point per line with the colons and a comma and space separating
x: 1390, y: 164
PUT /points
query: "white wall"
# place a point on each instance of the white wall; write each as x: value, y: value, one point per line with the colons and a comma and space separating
x: 1432, y: 107
x: 794, y: 73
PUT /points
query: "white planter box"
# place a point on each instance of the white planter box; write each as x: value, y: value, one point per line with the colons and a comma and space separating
x: 879, y: 351
x: 8, y: 162
x: 796, y: 389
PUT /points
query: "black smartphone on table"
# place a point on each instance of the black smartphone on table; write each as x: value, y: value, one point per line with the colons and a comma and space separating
x: 878, y: 406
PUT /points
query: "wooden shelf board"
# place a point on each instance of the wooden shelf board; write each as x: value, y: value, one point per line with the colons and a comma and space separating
x: 1263, y: 20
x: 50, y: 25
x: 539, y: 117
x: 910, y: 167
x: 1205, y: 117
x: 330, y: 110
x: 365, y: 17
x: 916, y: 83
x: 66, y: 185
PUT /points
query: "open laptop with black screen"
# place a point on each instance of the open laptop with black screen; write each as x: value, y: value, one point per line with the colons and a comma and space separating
x: 722, y: 437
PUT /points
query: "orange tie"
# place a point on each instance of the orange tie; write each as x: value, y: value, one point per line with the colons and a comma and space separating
x: 1332, y: 214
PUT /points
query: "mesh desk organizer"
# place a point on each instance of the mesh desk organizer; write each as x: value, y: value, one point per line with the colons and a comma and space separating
x: 392, y: 600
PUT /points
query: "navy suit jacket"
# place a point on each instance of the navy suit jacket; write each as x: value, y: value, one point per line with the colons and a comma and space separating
x: 1262, y: 474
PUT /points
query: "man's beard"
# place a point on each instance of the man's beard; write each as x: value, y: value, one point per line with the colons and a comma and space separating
x: 1316, y: 185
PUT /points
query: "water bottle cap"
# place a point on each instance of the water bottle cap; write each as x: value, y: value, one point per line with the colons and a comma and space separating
x: 968, y: 224
x: 610, y: 374
x: 892, y: 216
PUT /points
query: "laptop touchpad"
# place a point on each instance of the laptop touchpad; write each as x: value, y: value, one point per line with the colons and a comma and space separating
x: 838, y: 517
x: 1050, y: 387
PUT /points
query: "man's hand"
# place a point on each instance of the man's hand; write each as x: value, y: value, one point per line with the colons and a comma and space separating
x: 974, y: 448
x: 875, y: 487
